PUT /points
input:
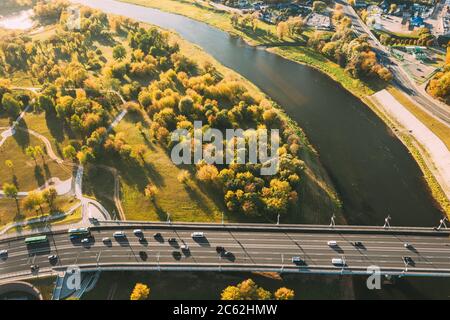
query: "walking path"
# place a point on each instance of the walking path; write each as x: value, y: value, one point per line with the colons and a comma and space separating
x: 91, y: 209
x: 434, y: 147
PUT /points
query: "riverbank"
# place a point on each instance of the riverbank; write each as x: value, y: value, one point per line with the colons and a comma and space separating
x: 265, y: 36
x: 427, y: 148
x: 205, y: 13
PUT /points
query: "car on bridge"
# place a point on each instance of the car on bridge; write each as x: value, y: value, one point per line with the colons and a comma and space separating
x: 119, y: 234
x: 332, y: 243
x: 298, y: 261
x: 197, y: 235
x: 338, y: 262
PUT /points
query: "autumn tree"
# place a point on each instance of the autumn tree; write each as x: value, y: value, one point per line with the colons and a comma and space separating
x: 33, y: 201
x: 119, y: 52
x: 246, y: 290
x: 49, y: 195
x: 151, y: 191
x: 140, y: 292
x: 69, y: 152
x: 319, y: 6
x: 282, y: 30
x: 284, y: 294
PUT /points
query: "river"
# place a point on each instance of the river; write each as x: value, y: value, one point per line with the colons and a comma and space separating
x: 372, y: 170
x: 17, y: 21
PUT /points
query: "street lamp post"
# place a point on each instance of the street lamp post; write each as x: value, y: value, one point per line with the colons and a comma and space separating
x: 387, y: 223
x: 278, y: 219
x: 168, y: 217
x: 332, y: 223
x: 442, y: 224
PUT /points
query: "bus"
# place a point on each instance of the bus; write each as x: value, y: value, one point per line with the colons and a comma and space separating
x: 75, y: 233
x: 35, y: 240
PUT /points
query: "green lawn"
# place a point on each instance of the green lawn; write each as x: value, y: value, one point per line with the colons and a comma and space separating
x: 50, y: 127
x: 8, y: 211
x: 183, y: 203
x: 26, y: 174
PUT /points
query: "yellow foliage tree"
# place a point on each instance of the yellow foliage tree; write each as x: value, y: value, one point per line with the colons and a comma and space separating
x: 284, y: 294
x: 246, y: 290
x: 140, y: 292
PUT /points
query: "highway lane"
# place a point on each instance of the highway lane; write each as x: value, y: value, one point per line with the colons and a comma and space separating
x: 403, y: 82
x: 250, y: 249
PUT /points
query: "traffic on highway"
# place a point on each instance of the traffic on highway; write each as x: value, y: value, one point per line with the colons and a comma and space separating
x: 289, y: 250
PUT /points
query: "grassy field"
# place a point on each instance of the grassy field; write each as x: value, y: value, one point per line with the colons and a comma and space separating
x: 183, y: 203
x: 9, y: 213
x: 51, y: 128
x: 27, y: 174
x: 438, y: 128
x: 98, y: 183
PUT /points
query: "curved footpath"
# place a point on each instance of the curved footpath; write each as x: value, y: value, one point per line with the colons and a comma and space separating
x: 91, y: 209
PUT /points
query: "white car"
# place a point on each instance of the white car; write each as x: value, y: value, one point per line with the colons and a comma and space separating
x: 3, y: 252
x: 85, y: 240
x: 297, y: 260
x: 338, y: 262
x: 106, y: 240
x: 197, y: 235
x: 119, y: 234
x: 332, y: 243
x: 137, y: 232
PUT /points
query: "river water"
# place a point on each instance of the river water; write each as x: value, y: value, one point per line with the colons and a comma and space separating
x: 371, y: 169
x: 17, y: 21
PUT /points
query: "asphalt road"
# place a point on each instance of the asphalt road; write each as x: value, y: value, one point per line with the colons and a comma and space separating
x: 249, y: 250
x: 401, y: 80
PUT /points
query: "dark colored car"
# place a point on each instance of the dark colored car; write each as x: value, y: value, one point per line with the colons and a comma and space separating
x: 220, y: 249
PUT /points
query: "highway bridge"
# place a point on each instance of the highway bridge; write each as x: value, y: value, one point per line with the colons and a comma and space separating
x: 251, y: 247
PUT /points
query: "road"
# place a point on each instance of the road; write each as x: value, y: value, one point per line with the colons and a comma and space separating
x: 401, y: 79
x: 260, y: 249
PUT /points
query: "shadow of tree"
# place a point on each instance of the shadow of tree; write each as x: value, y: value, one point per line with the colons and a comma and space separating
x: 22, y: 137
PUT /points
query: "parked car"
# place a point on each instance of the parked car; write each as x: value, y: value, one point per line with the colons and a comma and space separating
x: 3, y: 252
x: 52, y: 258
x: 85, y: 241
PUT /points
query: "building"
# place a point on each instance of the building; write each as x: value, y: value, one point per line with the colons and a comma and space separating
x: 319, y: 21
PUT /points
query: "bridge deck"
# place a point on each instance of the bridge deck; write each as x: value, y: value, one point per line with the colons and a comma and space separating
x: 252, y: 247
